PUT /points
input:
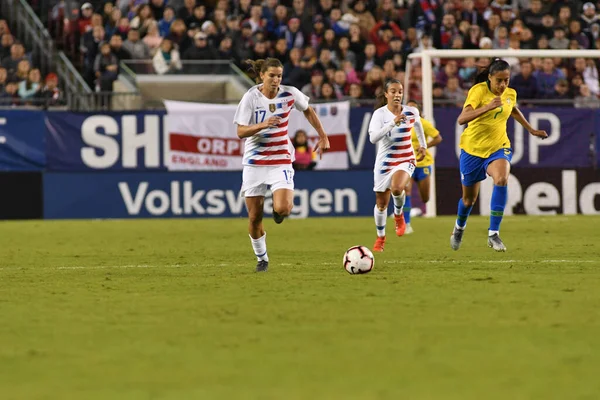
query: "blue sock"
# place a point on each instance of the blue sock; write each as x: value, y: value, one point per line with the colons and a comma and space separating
x: 499, y: 197
x: 406, y: 209
x: 463, y: 214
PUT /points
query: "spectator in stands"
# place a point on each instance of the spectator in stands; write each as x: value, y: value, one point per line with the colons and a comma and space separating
x: 106, y: 68
x: 123, y: 28
x: 576, y: 34
x: 164, y: 24
x: 158, y: 8
x: 22, y: 71
x: 561, y: 92
x: 153, y: 38
x: 167, y: 60
x: 29, y: 88
x: 116, y: 47
x: 187, y: 10
x: 85, y: 19
x: 453, y: 91
x: 467, y: 72
x: 586, y: 98
x: 225, y: 51
x: 589, y: 16
x: 547, y: 78
x: 10, y: 97
x: 559, y: 41
x: 6, y: 43
x: 300, y: 11
x: 200, y: 52
x: 142, y: 21
x: 17, y: 54
x: 444, y: 34
x: 589, y: 71
x: 90, y: 50
x: 525, y: 83
x: 198, y: 17
x: 305, y: 156
x: 137, y: 48
x: 112, y: 23
x: 313, y: 89
x: 50, y: 95
x: 438, y: 95
x: 327, y: 92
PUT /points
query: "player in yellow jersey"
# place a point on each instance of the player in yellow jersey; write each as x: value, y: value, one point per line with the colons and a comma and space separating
x: 485, y: 147
x: 422, y: 175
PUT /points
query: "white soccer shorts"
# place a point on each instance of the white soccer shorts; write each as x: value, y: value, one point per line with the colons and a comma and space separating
x: 257, y: 180
x: 384, y: 181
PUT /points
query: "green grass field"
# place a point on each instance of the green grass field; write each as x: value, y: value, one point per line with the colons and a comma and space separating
x: 171, y: 309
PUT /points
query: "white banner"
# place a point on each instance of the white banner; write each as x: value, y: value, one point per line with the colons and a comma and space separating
x: 202, y: 136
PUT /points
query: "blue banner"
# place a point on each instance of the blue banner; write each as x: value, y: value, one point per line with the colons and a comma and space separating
x: 110, y: 141
x: 197, y: 194
x: 22, y: 140
x: 570, y: 130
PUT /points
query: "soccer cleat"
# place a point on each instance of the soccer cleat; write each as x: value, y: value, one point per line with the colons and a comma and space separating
x: 408, y: 230
x: 379, y: 243
x: 400, y: 224
x: 278, y: 218
x: 262, y: 266
x: 495, y: 242
x: 456, y: 238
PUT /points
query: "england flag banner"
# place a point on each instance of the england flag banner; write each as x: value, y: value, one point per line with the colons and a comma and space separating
x: 203, y: 137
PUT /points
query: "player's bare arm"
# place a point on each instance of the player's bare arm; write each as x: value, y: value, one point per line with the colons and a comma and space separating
x: 434, y: 141
x: 468, y: 114
x: 244, y: 131
x: 313, y: 119
x: 520, y: 118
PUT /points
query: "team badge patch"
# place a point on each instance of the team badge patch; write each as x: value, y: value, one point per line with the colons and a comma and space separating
x: 508, y: 101
x: 272, y: 107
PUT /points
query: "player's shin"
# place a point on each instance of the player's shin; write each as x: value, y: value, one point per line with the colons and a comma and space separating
x: 463, y: 214
x: 380, y: 218
x: 406, y: 209
x: 498, y: 203
x: 260, y: 247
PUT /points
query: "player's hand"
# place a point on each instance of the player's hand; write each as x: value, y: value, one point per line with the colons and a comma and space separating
x: 322, y: 146
x: 400, y: 119
x: 272, y: 122
x: 497, y: 102
x: 539, y: 133
x: 421, y: 153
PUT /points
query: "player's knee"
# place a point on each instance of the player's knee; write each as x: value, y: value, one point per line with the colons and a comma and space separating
x: 283, y: 209
x: 469, y: 201
x: 501, y: 181
x: 397, y: 190
x: 255, y: 218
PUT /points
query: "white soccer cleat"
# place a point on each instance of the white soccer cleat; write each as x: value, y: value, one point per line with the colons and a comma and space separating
x: 408, y: 230
x: 495, y: 242
x: 456, y: 238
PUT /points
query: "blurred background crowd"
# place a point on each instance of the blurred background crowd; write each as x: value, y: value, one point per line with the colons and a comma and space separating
x: 331, y: 49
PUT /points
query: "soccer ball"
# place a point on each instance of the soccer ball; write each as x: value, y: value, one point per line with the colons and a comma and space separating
x: 358, y: 260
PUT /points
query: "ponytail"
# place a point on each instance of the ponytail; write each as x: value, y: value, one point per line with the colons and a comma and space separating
x: 381, y: 99
x: 258, y: 66
x: 496, y: 65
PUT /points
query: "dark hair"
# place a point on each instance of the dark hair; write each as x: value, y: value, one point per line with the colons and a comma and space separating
x: 381, y: 100
x: 496, y: 65
x: 417, y: 105
x: 258, y: 66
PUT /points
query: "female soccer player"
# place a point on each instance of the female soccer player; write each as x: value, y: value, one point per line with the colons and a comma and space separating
x: 262, y: 117
x: 422, y: 175
x: 390, y: 127
x: 485, y: 148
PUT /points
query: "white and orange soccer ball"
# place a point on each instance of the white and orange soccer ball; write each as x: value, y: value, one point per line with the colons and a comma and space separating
x: 358, y: 260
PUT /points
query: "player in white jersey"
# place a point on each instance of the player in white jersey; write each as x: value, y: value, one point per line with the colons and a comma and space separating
x: 390, y: 128
x: 262, y: 118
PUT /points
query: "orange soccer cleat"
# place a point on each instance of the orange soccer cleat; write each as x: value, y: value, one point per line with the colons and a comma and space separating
x: 400, y: 224
x: 379, y: 243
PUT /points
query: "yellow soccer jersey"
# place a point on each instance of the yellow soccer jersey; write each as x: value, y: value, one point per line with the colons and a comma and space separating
x: 430, y: 132
x: 487, y: 133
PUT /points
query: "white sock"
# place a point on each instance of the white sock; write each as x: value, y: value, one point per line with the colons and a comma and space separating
x: 380, y: 218
x: 260, y: 247
x: 460, y: 227
x: 399, y: 203
x: 492, y: 233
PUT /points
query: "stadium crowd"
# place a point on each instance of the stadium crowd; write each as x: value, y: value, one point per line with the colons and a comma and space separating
x: 336, y: 49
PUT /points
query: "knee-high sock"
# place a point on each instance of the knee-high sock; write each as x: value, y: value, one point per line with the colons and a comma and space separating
x: 499, y: 197
x: 380, y: 218
x: 399, y: 203
x: 406, y: 209
x: 463, y: 214
x: 260, y: 247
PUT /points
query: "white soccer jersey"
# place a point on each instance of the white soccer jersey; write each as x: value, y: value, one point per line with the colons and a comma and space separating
x: 271, y: 146
x: 395, y: 145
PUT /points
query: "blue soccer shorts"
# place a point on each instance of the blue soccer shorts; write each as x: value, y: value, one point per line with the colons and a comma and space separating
x: 421, y: 173
x: 473, y: 169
